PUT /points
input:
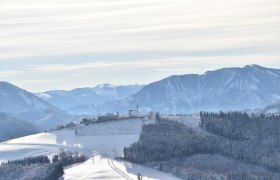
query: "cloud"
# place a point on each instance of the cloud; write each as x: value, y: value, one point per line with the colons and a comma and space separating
x: 43, y: 81
x: 10, y: 73
x: 94, y: 65
x: 186, y: 64
x: 134, y: 40
x: 33, y: 28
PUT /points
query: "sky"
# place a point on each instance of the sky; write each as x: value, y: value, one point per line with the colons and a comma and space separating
x: 64, y: 44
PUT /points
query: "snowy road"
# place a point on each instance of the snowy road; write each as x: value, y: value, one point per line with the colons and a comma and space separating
x: 123, y: 174
x: 106, y: 168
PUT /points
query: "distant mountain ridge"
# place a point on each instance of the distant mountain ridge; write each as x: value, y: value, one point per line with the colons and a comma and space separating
x: 251, y: 87
x: 225, y: 89
x: 83, y: 100
x: 25, y: 105
x: 11, y: 127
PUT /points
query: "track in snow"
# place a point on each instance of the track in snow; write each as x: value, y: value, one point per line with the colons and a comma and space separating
x: 123, y: 174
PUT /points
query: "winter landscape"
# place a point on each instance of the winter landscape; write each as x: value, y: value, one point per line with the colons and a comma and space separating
x: 139, y: 90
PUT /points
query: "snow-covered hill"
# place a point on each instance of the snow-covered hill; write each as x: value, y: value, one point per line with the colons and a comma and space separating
x: 272, y: 108
x: 25, y: 105
x: 249, y: 87
x: 103, y: 147
x: 84, y: 100
x: 11, y: 127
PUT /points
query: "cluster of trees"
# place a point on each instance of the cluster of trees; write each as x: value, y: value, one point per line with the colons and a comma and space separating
x: 248, y: 138
x: 66, y: 158
x: 242, y: 126
x: 32, y: 168
x: 251, y: 138
x: 163, y: 140
x: 30, y: 160
x: 40, y: 167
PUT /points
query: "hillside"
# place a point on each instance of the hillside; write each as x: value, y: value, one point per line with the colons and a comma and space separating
x: 225, y: 89
x: 100, y: 166
x: 103, y: 141
x: 11, y: 127
x: 272, y: 108
x: 84, y: 100
x: 25, y: 105
x: 222, y: 146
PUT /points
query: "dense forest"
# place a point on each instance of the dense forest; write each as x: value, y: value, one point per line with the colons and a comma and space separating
x: 164, y: 140
x: 32, y: 168
x: 40, y: 167
x: 242, y: 126
x: 253, y: 139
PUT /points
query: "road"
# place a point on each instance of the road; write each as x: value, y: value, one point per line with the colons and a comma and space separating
x: 123, y: 174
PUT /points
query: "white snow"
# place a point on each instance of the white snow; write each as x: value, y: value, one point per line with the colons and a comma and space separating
x: 84, y: 95
x: 101, y: 146
x: 42, y: 138
x: 192, y: 122
x: 105, y: 168
x: 272, y: 73
x: 43, y: 95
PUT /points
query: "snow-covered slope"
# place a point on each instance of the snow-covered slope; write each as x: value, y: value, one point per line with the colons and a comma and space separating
x: 11, y: 127
x: 83, y: 100
x: 272, y: 108
x: 106, y: 168
x: 16, y: 100
x: 87, y: 139
x: 103, y: 147
x: 250, y: 87
x: 24, y: 105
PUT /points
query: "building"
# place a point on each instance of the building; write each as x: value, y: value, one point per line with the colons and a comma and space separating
x: 134, y: 113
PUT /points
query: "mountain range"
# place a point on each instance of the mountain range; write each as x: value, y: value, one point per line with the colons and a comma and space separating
x: 252, y: 88
x: 83, y: 100
x: 11, y: 127
x: 21, y: 104
x: 226, y: 89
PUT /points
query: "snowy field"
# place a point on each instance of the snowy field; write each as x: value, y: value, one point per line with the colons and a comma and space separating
x: 192, y: 122
x: 101, y: 168
x: 188, y: 121
x: 100, y: 146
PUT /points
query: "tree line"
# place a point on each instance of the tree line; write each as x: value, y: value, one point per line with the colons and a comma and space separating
x: 39, y: 167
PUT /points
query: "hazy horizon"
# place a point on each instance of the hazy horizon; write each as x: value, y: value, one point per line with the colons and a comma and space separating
x: 88, y: 86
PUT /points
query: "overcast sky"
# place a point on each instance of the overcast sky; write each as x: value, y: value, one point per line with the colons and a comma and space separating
x: 63, y: 44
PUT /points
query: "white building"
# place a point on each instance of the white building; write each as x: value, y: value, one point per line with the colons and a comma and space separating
x: 135, y: 113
